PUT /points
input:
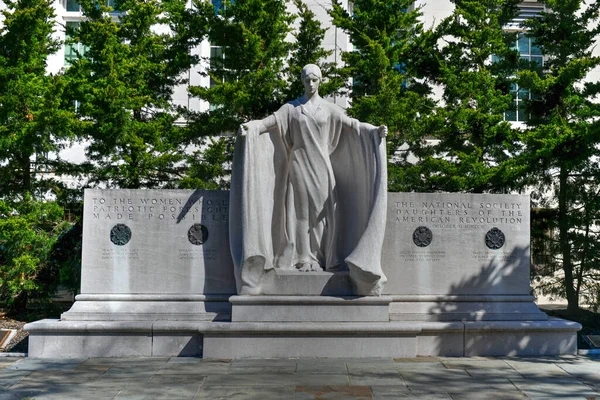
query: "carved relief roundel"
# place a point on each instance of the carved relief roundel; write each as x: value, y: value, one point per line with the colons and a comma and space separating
x: 198, y: 234
x: 494, y: 239
x: 120, y: 234
x: 422, y: 236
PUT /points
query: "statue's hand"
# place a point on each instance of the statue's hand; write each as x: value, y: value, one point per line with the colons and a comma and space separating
x: 383, y: 131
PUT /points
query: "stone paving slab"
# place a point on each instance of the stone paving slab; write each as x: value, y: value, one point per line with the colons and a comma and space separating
x: 483, y: 364
x: 333, y: 393
x: 376, y: 378
x: 195, y: 368
x: 235, y: 379
x: 64, y: 392
x: 403, y: 392
x: 321, y: 366
x: 428, y: 378
x: 555, y: 388
x: 247, y: 393
x: 34, y: 364
x: 160, y: 392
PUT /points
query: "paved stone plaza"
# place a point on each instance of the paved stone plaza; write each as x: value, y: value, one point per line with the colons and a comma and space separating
x: 572, y: 377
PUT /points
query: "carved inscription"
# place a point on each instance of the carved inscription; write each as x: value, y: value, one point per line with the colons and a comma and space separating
x: 162, y: 209
x: 202, y: 255
x: 458, y: 215
x: 114, y: 254
x: 422, y: 255
x: 485, y: 256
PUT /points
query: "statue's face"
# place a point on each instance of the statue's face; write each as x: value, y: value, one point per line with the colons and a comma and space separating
x: 311, y: 83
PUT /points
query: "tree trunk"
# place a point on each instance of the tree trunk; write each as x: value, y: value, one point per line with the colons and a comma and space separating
x: 565, y: 246
x: 19, y: 306
x: 26, y: 168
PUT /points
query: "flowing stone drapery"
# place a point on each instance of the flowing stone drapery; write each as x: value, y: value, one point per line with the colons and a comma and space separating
x: 314, y: 191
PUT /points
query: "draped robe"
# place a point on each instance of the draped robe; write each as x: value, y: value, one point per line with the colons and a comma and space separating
x: 314, y: 191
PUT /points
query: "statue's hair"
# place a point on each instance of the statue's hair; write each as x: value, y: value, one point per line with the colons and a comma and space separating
x: 311, y: 69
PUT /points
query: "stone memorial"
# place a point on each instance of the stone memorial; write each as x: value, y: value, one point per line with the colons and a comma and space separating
x: 463, y: 257
x: 154, y: 254
x: 308, y: 194
x: 307, y: 256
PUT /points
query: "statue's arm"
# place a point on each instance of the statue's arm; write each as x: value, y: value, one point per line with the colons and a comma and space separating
x: 268, y: 124
x: 381, y: 130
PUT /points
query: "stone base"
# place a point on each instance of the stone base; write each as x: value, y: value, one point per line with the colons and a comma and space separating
x: 129, y: 307
x: 277, y: 282
x: 309, y: 309
x: 309, y: 340
x: 79, y: 339
x: 465, y: 308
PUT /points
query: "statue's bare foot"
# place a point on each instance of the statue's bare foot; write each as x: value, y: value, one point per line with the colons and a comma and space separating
x: 308, y: 267
x: 316, y: 267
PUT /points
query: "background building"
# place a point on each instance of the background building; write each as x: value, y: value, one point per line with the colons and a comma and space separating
x: 68, y: 13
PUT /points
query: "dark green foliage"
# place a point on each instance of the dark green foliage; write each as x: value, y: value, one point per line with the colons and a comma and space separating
x: 307, y: 49
x: 248, y: 75
x: 253, y: 71
x: 28, y: 232
x: 248, y: 79
x: 387, y: 74
x: 206, y: 168
x: 123, y: 86
x: 475, y: 147
x: 66, y: 257
x: 32, y: 122
x: 563, y: 144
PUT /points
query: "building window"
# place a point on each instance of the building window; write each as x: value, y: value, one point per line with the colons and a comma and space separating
x: 216, y: 62
x: 74, y: 6
x: 72, y: 50
x: 529, y: 51
x: 519, y: 113
x: 220, y: 5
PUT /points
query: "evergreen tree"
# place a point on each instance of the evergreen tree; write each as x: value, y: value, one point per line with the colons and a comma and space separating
x: 253, y: 70
x: 32, y: 121
x: 123, y: 87
x: 474, y: 146
x: 388, y: 72
x: 247, y: 67
x: 308, y: 49
x: 563, y: 142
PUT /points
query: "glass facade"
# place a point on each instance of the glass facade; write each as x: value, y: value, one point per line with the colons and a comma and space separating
x: 528, y: 51
x: 72, y: 49
x: 72, y: 5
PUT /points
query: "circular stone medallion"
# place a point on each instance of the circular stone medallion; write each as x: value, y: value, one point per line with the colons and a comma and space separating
x: 120, y: 234
x: 198, y: 234
x: 422, y: 236
x: 494, y: 239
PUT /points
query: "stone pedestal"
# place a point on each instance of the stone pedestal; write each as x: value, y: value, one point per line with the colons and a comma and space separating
x: 310, y: 309
x: 157, y: 280
x: 465, y: 308
x: 295, y: 283
x: 136, y: 307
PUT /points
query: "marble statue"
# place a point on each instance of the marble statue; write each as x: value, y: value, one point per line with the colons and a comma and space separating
x: 309, y: 193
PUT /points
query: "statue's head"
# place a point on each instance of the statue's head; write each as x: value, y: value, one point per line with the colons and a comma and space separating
x: 311, y: 78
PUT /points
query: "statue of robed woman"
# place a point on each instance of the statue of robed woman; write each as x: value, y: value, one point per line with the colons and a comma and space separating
x: 309, y: 193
